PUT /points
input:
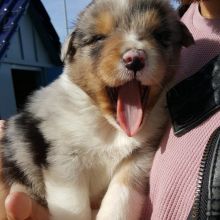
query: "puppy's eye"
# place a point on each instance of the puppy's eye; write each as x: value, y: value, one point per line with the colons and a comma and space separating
x: 162, y: 37
x: 95, y: 39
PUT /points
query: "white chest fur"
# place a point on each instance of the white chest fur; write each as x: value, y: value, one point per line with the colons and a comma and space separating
x: 85, y: 148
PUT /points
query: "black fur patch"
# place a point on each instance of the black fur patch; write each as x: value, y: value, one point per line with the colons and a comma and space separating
x: 163, y: 36
x: 10, y: 169
x: 32, y: 135
x: 12, y: 172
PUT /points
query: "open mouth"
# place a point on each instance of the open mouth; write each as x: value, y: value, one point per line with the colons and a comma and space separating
x: 129, y: 100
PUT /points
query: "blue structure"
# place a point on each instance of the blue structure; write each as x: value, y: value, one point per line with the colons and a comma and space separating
x: 29, y: 52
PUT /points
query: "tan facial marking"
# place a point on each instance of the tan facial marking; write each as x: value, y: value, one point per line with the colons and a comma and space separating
x: 104, y: 102
x: 108, y: 68
x: 153, y: 18
x: 92, y: 85
x: 104, y: 23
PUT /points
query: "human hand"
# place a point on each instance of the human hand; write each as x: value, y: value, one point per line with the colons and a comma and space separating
x: 2, y: 125
x: 18, y: 205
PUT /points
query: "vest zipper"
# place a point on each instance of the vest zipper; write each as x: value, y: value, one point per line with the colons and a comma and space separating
x: 200, y: 202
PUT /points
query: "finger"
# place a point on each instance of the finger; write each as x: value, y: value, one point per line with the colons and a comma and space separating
x: 2, y: 124
x: 18, y: 206
x: 39, y: 212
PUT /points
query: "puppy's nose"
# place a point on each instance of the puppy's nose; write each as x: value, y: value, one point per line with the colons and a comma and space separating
x: 134, y: 59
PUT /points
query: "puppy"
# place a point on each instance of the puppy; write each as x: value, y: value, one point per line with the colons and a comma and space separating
x: 88, y: 139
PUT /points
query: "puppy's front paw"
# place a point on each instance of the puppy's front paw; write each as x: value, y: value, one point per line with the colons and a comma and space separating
x: 121, y: 203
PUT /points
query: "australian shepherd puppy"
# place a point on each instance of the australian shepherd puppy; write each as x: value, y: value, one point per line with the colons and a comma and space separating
x: 87, y: 140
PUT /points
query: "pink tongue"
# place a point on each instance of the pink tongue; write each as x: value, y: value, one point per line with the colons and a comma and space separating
x: 129, y: 107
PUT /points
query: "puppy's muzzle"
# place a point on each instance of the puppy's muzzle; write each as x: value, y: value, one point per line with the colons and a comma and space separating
x: 134, y: 59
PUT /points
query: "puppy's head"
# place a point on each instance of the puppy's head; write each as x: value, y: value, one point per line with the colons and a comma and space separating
x: 122, y: 53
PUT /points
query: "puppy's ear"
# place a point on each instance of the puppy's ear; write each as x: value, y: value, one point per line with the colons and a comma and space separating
x: 186, y: 37
x: 68, y: 50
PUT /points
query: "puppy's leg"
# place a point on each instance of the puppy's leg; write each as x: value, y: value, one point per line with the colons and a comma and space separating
x: 127, y: 191
x: 68, y: 200
x: 121, y: 202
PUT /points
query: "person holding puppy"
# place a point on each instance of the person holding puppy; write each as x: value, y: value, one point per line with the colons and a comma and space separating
x: 183, y: 175
x: 175, y: 169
